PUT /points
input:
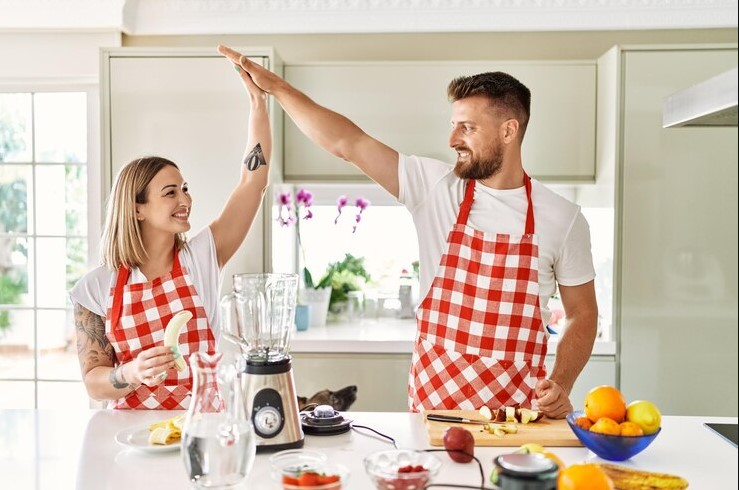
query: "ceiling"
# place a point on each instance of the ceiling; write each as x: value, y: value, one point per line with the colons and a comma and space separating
x: 197, y: 17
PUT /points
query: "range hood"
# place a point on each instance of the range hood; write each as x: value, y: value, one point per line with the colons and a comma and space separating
x: 709, y: 103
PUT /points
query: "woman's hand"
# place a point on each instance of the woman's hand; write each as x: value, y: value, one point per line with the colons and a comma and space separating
x: 256, y: 94
x: 150, y: 366
x: 262, y: 78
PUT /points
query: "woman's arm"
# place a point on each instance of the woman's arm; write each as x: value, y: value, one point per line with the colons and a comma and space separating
x: 230, y: 228
x: 103, y: 380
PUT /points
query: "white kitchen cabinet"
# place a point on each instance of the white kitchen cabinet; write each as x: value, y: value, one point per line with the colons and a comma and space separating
x: 600, y: 370
x: 405, y: 106
x: 382, y: 379
x: 677, y: 231
x: 188, y: 106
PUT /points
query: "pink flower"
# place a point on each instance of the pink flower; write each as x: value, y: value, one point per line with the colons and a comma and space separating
x: 303, y: 201
x: 340, y: 203
x: 287, y: 214
x: 361, y: 204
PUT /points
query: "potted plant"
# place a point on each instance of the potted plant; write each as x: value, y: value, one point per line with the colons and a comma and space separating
x: 340, y: 277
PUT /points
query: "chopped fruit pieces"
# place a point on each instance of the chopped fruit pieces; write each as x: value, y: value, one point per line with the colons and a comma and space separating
x: 309, y: 479
x: 486, y: 413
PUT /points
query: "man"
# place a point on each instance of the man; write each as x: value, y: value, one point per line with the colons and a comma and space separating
x: 492, y: 243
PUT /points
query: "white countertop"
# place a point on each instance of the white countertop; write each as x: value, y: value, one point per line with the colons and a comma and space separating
x: 42, y: 449
x: 384, y: 335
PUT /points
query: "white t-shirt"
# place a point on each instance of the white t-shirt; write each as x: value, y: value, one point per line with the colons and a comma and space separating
x: 198, y: 256
x: 432, y: 193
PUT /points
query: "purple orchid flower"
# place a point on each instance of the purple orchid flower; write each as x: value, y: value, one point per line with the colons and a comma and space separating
x: 284, y: 211
x: 340, y: 203
x: 304, y: 197
x: 361, y: 204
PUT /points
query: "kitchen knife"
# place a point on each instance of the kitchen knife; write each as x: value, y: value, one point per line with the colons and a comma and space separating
x: 450, y: 418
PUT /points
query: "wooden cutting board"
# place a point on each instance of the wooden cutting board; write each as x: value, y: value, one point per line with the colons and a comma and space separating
x: 547, y: 432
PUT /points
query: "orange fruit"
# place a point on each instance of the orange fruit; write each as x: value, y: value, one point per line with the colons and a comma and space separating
x: 585, y: 476
x: 605, y: 401
x: 583, y: 423
x: 631, y: 429
x: 604, y: 425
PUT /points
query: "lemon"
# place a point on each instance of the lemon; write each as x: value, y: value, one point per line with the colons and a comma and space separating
x: 530, y: 448
x: 645, y: 414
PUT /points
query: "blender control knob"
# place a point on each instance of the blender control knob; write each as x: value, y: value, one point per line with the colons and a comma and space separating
x: 267, y: 421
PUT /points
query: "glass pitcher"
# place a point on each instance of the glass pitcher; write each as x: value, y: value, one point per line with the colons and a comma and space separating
x: 259, y: 314
x: 218, y: 442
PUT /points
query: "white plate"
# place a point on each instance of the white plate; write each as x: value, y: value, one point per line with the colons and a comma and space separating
x: 138, y: 438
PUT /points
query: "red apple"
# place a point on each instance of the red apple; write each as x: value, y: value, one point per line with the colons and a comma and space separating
x: 458, y: 439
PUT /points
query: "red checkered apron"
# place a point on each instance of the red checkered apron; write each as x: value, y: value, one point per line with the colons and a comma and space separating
x: 481, y: 340
x: 137, y: 317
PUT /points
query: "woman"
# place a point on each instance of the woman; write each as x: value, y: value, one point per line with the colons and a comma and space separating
x: 150, y: 272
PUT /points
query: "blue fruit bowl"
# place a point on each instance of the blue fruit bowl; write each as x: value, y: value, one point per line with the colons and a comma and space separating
x: 612, y: 448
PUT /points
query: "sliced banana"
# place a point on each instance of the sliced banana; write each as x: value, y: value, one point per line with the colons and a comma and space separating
x: 172, y: 334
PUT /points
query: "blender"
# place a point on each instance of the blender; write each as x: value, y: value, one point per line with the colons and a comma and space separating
x: 258, y: 316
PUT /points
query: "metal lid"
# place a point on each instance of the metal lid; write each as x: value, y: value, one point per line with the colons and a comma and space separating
x: 526, y: 465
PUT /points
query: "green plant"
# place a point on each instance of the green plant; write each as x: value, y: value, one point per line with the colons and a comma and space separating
x: 346, y: 275
x: 10, y: 293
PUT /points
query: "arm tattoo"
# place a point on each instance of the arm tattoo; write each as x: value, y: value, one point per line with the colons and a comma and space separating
x: 117, y: 379
x: 93, y: 347
x: 255, y: 158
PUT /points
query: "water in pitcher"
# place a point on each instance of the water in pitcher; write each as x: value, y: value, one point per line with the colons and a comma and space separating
x: 218, y: 455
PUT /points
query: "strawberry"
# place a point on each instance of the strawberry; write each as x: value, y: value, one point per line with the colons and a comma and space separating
x: 308, y: 479
x: 326, y: 479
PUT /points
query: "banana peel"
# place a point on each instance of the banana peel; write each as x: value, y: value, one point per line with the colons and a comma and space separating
x: 172, y: 335
x: 630, y: 479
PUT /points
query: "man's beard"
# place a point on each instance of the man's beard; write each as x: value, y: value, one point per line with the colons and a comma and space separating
x: 478, y: 168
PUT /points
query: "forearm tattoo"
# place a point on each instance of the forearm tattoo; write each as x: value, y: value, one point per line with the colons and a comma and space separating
x: 93, y: 347
x: 255, y: 158
x: 117, y: 379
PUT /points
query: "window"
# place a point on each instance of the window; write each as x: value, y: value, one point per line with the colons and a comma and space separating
x: 43, y: 244
x: 386, y: 239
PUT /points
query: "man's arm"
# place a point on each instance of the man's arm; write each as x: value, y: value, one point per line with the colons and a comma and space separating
x: 573, y: 349
x: 328, y: 129
x: 581, y: 325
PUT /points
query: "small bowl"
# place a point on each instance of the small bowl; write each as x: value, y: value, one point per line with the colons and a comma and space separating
x: 287, y: 466
x: 612, y: 448
x: 385, y: 468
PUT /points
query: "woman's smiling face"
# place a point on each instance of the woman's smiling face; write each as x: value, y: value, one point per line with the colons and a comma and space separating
x: 168, y: 203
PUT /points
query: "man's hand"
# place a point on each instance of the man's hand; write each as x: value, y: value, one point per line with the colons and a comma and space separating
x: 552, y: 399
x: 263, y: 78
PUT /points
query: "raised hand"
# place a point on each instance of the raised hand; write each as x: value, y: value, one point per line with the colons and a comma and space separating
x: 260, y: 76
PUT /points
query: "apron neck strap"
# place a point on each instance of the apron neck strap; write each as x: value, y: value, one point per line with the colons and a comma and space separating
x: 530, y: 211
x: 464, y: 208
x: 469, y: 193
x: 124, y: 273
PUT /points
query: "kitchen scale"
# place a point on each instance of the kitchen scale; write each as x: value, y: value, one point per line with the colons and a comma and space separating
x: 258, y: 316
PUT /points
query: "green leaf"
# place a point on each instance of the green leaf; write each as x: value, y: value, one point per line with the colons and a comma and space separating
x: 307, y: 278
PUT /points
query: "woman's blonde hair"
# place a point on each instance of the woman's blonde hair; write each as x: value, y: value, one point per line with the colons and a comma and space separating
x: 121, y: 240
